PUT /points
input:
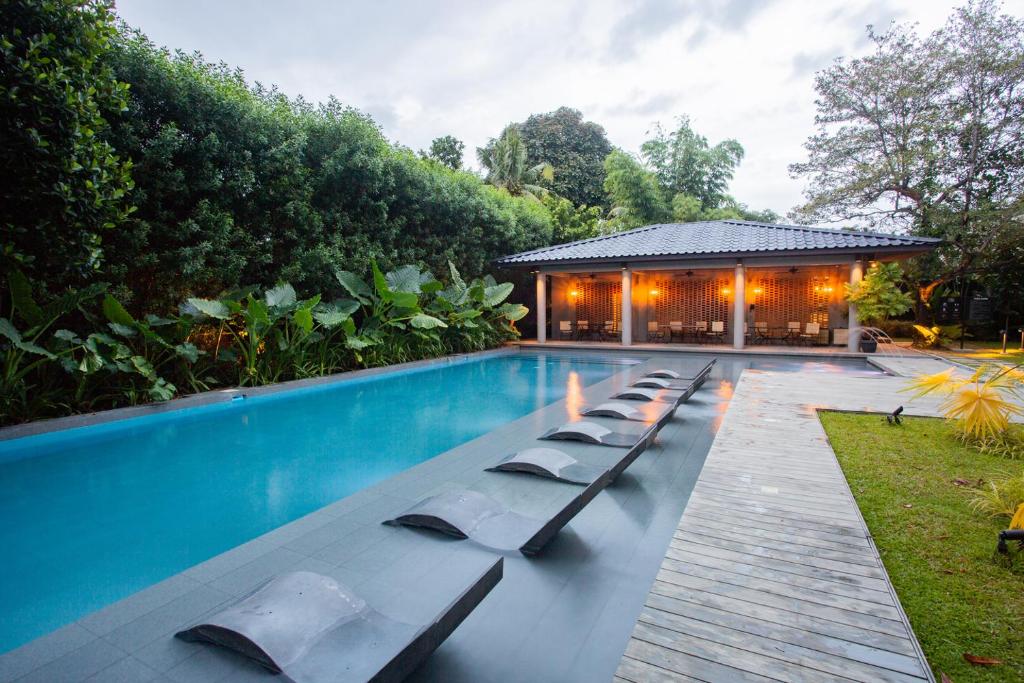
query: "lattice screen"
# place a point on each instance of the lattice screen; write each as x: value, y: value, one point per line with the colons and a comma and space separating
x: 692, y: 299
x: 794, y: 298
x: 599, y: 301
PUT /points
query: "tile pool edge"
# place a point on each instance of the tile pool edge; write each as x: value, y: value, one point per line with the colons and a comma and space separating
x: 227, y: 395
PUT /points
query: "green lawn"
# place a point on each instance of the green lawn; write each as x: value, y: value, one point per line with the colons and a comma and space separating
x: 937, y: 550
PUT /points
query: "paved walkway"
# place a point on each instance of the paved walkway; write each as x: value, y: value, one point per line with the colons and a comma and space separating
x: 772, y: 574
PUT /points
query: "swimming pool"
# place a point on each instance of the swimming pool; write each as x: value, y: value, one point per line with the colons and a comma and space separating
x: 91, y: 515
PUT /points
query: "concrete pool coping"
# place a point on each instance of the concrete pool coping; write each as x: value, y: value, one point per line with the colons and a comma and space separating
x: 598, y: 569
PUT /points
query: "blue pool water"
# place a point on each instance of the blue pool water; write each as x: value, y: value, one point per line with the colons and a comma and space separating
x: 89, y: 516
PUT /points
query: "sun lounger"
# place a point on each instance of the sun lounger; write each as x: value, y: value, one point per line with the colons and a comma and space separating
x: 551, y: 463
x: 650, y: 413
x: 593, y: 432
x: 690, y: 371
x: 312, y: 629
x: 476, y: 516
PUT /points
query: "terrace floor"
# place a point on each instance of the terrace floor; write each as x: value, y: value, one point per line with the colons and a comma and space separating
x: 772, y: 573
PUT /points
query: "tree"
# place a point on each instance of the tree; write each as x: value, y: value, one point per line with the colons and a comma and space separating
x: 507, y: 168
x: 570, y: 223
x: 686, y: 163
x: 635, y: 195
x: 446, y: 150
x: 927, y: 135
x: 61, y: 183
x: 576, y: 150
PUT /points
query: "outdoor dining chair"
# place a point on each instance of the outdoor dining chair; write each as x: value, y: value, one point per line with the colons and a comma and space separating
x: 565, y: 329
x: 675, y: 328
x: 610, y: 330
x: 761, y: 334
x: 792, y: 332
x: 654, y: 332
x: 700, y: 330
x: 717, y: 332
x: 582, y: 329
x: 811, y: 333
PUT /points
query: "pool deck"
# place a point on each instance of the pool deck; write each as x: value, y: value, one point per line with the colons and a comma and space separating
x: 772, y: 573
x: 769, y: 589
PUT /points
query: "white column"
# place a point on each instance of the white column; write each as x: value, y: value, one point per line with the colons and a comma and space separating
x: 856, y: 274
x: 542, y: 308
x: 627, y: 307
x: 739, y: 310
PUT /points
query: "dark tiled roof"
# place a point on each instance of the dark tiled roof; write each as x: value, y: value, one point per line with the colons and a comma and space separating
x: 717, y: 238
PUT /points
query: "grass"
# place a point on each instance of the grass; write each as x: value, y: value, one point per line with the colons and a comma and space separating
x: 987, y: 350
x: 909, y: 482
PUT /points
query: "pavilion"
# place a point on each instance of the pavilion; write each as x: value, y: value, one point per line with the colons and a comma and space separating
x: 726, y: 281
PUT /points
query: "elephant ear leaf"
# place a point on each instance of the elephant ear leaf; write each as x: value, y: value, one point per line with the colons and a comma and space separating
x: 8, y: 330
x: 457, y: 282
x: 407, y: 279
x: 423, y: 321
x: 495, y: 294
x: 281, y: 296
x: 21, y: 297
x: 211, y: 308
x: 513, y: 312
x: 116, y: 313
x: 354, y: 285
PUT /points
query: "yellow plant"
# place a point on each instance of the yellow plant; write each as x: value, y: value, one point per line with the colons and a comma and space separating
x: 980, y: 406
x: 1018, y: 518
x: 1002, y: 498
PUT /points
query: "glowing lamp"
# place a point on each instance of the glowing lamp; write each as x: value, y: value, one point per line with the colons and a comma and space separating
x: 758, y: 290
x: 654, y: 292
x: 574, y: 294
x: 726, y: 291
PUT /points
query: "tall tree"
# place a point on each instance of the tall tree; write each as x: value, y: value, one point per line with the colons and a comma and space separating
x: 446, y: 150
x: 686, y: 163
x: 576, y: 150
x: 927, y: 134
x: 61, y: 184
x: 635, y: 195
x: 507, y: 167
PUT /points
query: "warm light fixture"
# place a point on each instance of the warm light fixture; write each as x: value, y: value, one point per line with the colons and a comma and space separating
x: 574, y: 294
x: 758, y: 290
x: 726, y: 291
x: 654, y: 292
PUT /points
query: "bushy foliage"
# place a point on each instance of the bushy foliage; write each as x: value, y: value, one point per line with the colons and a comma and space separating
x: 576, y: 150
x: 61, y: 183
x: 878, y: 295
x: 570, y: 223
x: 635, y: 195
x: 241, y: 185
x: 446, y: 150
x: 85, y: 351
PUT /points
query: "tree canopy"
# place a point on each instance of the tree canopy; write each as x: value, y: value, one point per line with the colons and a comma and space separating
x: 508, y: 168
x: 927, y: 134
x: 575, y: 149
x: 446, y: 150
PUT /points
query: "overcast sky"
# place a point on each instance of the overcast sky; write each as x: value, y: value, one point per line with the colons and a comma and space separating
x: 424, y: 68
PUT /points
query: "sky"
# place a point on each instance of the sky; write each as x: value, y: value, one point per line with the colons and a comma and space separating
x: 740, y: 69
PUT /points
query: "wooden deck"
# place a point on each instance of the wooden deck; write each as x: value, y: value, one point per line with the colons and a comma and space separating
x: 772, y: 574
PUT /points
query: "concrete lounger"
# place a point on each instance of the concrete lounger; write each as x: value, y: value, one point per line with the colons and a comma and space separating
x: 551, y: 463
x: 311, y: 629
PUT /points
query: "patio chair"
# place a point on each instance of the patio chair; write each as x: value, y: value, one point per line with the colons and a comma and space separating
x: 792, y: 332
x: 611, y: 330
x: 582, y: 329
x: 654, y: 332
x: 565, y: 329
x: 761, y: 334
x: 313, y: 629
x: 675, y: 329
x: 811, y: 333
x: 700, y: 330
x: 717, y: 332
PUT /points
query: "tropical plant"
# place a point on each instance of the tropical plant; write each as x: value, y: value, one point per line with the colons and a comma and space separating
x: 507, y: 169
x: 878, y: 296
x: 937, y: 336
x: 570, y: 223
x: 981, y: 405
x: 634, y: 193
x: 1000, y: 497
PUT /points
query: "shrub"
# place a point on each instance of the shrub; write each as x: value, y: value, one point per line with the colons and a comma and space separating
x: 1000, y: 497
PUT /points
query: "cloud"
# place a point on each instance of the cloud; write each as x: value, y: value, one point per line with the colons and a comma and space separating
x: 637, y: 105
x: 806, y: 63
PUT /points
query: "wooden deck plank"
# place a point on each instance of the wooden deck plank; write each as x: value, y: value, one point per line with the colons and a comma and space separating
x: 771, y: 571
